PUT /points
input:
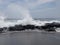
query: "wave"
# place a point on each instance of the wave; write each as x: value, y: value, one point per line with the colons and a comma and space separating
x: 4, y: 23
x: 27, y: 21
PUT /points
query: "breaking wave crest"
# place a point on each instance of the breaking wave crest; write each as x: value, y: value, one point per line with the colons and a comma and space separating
x: 4, y: 23
x: 26, y: 21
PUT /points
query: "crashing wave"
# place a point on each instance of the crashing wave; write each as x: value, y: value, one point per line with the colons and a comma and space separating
x: 25, y: 24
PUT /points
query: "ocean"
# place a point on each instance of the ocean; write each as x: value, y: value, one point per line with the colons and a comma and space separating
x: 41, y: 19
x: 30, y: 38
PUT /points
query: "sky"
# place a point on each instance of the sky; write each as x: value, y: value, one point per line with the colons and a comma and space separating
x: 34, y: 8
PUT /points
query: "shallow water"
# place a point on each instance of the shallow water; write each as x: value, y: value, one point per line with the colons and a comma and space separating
x: 30, y: 38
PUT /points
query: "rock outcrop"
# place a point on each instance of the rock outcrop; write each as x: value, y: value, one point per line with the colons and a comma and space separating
x: 47, y: 27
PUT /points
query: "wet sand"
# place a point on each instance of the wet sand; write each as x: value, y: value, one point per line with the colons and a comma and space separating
x: 30, y: 38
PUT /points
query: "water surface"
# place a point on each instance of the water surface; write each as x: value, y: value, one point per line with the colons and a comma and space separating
x: 30, y: 38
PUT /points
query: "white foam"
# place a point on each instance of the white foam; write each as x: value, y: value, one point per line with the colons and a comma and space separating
x: 26, y: 21
x: 4, y: 23
x: 58, y: 30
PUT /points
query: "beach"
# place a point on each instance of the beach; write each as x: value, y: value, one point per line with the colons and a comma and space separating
x: 30, y: 38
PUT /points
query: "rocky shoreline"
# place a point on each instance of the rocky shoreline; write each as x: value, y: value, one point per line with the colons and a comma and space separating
x: 47, y: 27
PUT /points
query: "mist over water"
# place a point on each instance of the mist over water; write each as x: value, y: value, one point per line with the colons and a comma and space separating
x: 26, y: 19
x: 24, y: 14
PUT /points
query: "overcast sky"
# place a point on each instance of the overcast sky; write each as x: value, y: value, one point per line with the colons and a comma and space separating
x: 35, y: 8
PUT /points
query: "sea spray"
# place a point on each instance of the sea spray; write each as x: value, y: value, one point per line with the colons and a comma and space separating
x: 4, y: 23
x: 24, y: 14
x: 21, y: 25
x: 26, y: 19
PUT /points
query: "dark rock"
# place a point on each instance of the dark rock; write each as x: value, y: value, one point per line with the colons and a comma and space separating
x: 38, y: 27
x: 19, y: 27
x: 51, y: 26
x: 16, y: 28
x: 11, y: 29
x: 51, y: 29
x: 1, y: 30
x: 54, y: 24
x: 46, y: 27
x: 29, y: 27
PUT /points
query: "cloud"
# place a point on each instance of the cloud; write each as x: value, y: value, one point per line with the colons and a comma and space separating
x: 25, y: 3
x: 1, y: 14
x: 16, y: 8
x: 34, y: 3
